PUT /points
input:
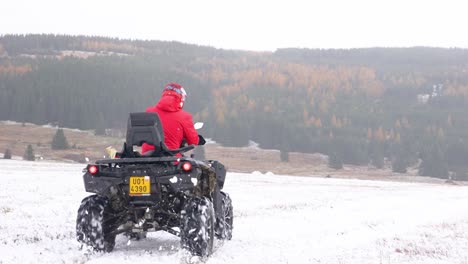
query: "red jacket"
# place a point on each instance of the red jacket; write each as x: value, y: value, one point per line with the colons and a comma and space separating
x: 177, y: 124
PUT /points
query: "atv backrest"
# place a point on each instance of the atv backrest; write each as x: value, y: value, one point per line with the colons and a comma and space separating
x: 144, y: 128
x: 147, y: 128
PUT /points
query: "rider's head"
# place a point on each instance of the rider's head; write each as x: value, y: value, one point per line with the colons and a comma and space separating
x: 176, y: 90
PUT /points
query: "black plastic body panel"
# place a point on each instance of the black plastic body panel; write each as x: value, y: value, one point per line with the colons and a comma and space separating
x: 176, y: 181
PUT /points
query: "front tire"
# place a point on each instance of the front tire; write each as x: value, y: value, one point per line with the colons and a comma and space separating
x: 224, y: 223
x: 94, y: 224
x: 197, y: 227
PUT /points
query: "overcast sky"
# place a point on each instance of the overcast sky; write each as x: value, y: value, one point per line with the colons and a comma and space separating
x: 249, y: 24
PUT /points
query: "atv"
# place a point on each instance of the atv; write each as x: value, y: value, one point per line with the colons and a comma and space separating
x: 159, y: 190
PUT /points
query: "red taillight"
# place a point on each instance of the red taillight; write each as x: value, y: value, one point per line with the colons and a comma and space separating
x: 93, y: 169
x: 187, y: 166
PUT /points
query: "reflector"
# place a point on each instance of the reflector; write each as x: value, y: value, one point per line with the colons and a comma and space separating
x: 93, y: 169
x: 187, y: 166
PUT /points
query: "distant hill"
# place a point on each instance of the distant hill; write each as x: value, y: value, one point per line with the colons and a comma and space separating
x: 361, y: 106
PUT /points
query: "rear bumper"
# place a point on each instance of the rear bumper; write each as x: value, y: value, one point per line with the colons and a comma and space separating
x: 174, y: 182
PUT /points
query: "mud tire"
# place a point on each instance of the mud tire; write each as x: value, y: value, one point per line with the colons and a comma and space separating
x: 94, y: 224
x: 224, y: 224
x: 197, y: 226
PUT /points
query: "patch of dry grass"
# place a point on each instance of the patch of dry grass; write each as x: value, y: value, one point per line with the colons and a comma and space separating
x: 17, y: 136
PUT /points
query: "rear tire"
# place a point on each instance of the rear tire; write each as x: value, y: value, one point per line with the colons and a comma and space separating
x: 197, y: 227
x: 224, y: 224
x: 95, y: 223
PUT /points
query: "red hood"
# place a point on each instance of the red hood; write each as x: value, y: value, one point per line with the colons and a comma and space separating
x: 169, y: 103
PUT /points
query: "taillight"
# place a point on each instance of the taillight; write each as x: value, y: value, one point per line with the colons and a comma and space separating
x: 93, y: 169
x: 187, y: 166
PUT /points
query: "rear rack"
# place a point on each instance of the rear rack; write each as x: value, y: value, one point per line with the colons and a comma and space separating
x: 142, y: 160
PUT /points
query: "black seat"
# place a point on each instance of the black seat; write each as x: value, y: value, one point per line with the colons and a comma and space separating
x: 147, y: 128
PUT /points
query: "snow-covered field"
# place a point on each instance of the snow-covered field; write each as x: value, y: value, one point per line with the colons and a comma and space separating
x: 278, y: 219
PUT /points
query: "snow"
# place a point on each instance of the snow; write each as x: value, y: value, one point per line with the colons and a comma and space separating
x: 54, y: 126
x: 8, y: 122
x: 277, y: 219
x: 210, y: 141
x: 253, y: 145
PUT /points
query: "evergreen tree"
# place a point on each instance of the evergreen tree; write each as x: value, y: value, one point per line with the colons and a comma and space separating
x: 7, y: 154
x: 284, y: 155
x: 377, y: 154
x: 60, y: 141
x: 434, y: 163
x: 378, y: 160
x: 433, y: 167
x: 401, y: 158
x: 335, y: 161
x: 399, y: 165
x: 29, y: 154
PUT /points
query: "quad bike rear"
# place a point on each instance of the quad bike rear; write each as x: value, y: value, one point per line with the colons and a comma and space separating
x: 159, y: 190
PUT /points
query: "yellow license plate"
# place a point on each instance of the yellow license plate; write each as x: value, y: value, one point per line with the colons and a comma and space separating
x: 139, y: 185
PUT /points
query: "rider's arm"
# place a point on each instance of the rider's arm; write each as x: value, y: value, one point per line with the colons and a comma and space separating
x: 190, y: 134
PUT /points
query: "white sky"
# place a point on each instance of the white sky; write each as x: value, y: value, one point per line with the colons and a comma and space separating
x: 249, y: 24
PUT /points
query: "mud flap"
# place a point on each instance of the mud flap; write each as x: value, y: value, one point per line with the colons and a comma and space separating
x: 211, y: 184
x: 207, y: 182
x: 220, y: 172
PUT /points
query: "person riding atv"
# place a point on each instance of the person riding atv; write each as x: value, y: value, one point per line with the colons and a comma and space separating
x: 177, y: 123
x: 159, y: 188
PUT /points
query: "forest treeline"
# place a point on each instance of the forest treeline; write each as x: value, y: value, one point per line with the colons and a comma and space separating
x: 406, y: 107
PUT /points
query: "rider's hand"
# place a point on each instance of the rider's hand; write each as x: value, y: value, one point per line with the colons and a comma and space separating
x: 201, y: 140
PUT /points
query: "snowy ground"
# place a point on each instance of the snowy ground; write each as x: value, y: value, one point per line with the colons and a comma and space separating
x: 278, y: 219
